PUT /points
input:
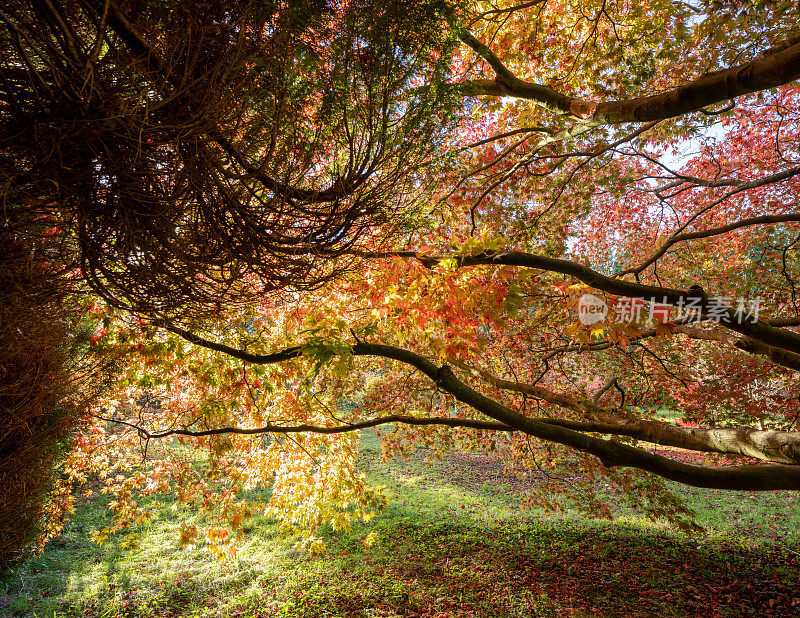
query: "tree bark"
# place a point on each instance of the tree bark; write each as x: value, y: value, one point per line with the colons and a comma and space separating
x: 768, y: 445
x: 769, y: 71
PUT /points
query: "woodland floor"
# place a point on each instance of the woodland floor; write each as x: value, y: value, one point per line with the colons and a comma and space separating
x: 453, y: 543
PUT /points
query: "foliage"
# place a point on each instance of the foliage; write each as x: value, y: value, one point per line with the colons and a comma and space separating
x: 197, y: 158
x: 43, y: 370
x: 312, y: 218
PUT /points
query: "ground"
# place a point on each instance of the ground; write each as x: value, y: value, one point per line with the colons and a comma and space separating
x: 453, y: 543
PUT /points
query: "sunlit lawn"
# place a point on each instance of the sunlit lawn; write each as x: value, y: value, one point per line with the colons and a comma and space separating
x: 454, y: 542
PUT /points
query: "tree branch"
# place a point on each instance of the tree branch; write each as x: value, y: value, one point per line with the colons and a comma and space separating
x: 136, y: 42
x: 767, y: 445
x: 759, y: 220
x: 382, y: 420
x: 769, y: 71
x: 511, y: 9
x: 756, y: 330
x: 716, y: 231
x: 611, y: 454
x: 790, y: 360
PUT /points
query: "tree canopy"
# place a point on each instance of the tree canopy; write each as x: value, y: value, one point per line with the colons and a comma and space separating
x: 522, y: 227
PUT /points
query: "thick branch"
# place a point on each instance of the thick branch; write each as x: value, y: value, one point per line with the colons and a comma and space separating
x: 610, y: 453
x: 755, y: 330
x: 256, y: 359
x: 781, y: 357
x: 767, y: 445
x: 769, y: 71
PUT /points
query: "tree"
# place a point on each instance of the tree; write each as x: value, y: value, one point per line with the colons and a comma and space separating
x: 305, y: 221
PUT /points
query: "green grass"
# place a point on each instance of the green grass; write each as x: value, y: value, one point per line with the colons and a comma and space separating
x: 453, y: 542
x: 666, y: 414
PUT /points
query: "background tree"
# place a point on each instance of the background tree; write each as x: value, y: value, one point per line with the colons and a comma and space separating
x: 47, y: 383
x: 367, y: 213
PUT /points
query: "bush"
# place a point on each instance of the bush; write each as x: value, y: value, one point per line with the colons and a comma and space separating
x: 40, y: 403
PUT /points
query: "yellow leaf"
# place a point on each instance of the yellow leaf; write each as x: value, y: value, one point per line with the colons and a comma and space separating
x: 597, y: 331
x: 371, y: 539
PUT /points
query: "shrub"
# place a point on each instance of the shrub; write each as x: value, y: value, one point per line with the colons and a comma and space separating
x: 41, y: 402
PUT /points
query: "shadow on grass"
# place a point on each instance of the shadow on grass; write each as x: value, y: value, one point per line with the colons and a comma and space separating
x: 435, y: 569
x: 510, y: 570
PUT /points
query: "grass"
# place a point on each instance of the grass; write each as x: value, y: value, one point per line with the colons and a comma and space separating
x: 454, y: 542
